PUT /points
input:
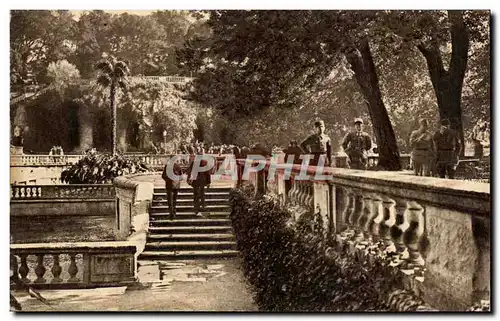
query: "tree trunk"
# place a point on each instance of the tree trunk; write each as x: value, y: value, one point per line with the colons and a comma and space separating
x: 362, y: 64
x: 448, y: 84
x: 113, y: 117
x: 86, y: 129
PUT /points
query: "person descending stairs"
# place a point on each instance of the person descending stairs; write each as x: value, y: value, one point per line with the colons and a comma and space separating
x: 186, y: 234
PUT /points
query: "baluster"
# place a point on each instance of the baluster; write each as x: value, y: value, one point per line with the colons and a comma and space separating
x: 56, y: 269
x: 304, y: 199
x: 400, y: 226
x: 303, y: 194
x: 15, y: 192
x: 73, y: 269
x: 366, y: 220
x: 388, y: 221
x: 14, y: 267
x: 23, y: 192
x: 40, y: 269
x: 23, y: 269
x: 348, y: 204
x: 298, y: 193
x: 359, y: 217
x: 413, y: 237
x: 310, y: 201
x: 292, y: 193
x: 377, y: 218
x: 355, y: 214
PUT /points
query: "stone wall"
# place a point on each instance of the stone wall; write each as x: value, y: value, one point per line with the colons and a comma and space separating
x: 68, y: 207
x: 133, y: 198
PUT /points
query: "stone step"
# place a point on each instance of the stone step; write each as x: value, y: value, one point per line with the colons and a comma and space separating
x: 190, y: 237
x: 190, y: 195
x: 191, y: 222
x: 190, y: 245
x: 187, y: 215
x: 189, y: 208
x: 190, y: 201
x: 189, y: 229
x: 186, y: 255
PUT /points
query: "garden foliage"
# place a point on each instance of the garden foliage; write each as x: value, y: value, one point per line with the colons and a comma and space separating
x: 97, y: 168
x: 291, y: 267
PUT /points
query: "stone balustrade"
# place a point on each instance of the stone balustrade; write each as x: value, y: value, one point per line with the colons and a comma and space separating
x: 44, y: 160
x: 436, y: 230
x: 70, y: 191
x: 170, y: 79
x: 74, y: 265
x: 157, y: 160
x: 77, y: 199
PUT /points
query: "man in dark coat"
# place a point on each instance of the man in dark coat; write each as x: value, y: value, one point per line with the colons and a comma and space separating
x: 199, y: 183
x: 172, y: 185
x: 448, y: 148
x: 318, y: 144
x: 295, y: 151
x: 356, y: 144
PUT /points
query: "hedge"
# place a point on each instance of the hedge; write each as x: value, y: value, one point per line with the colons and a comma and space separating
x: 291, y: 267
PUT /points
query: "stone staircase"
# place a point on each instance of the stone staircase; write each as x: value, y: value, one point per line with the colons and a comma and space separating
x: 189, y: 236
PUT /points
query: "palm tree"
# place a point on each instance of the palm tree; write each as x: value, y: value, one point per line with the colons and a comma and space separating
x: 113, y: 74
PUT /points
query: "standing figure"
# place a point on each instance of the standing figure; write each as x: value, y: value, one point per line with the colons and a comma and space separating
x: 318, y: 144
x: 356, y: 145
x: 17, y: 139
x: 448, y: 148
x: 199, y: 182
x: 295, y: 151
x: 172, y: 185
x: 422, y: 149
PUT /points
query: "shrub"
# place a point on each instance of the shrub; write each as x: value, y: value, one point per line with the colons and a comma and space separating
x: 291, y: 267
x: 101, y: 169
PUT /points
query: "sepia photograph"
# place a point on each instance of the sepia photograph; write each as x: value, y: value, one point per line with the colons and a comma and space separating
x: 250, y: 160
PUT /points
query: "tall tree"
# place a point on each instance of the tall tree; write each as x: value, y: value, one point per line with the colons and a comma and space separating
x: 92, y: 40
x: 112, y: 74
x: 38, y: 37
x: 257, y: 59
x: 444, y: 39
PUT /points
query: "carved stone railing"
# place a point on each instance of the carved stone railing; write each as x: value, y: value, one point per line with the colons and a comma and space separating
x: 436, y: 230
x: 157, y: 161
x: 44, y: 160
x: 45, y: 192
x: 74, y: 265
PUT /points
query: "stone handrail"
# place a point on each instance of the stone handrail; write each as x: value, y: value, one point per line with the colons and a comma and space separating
x: 75, y: 191
x: 74, y: 265
x: 438, y: 230
x: 341, y: 161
